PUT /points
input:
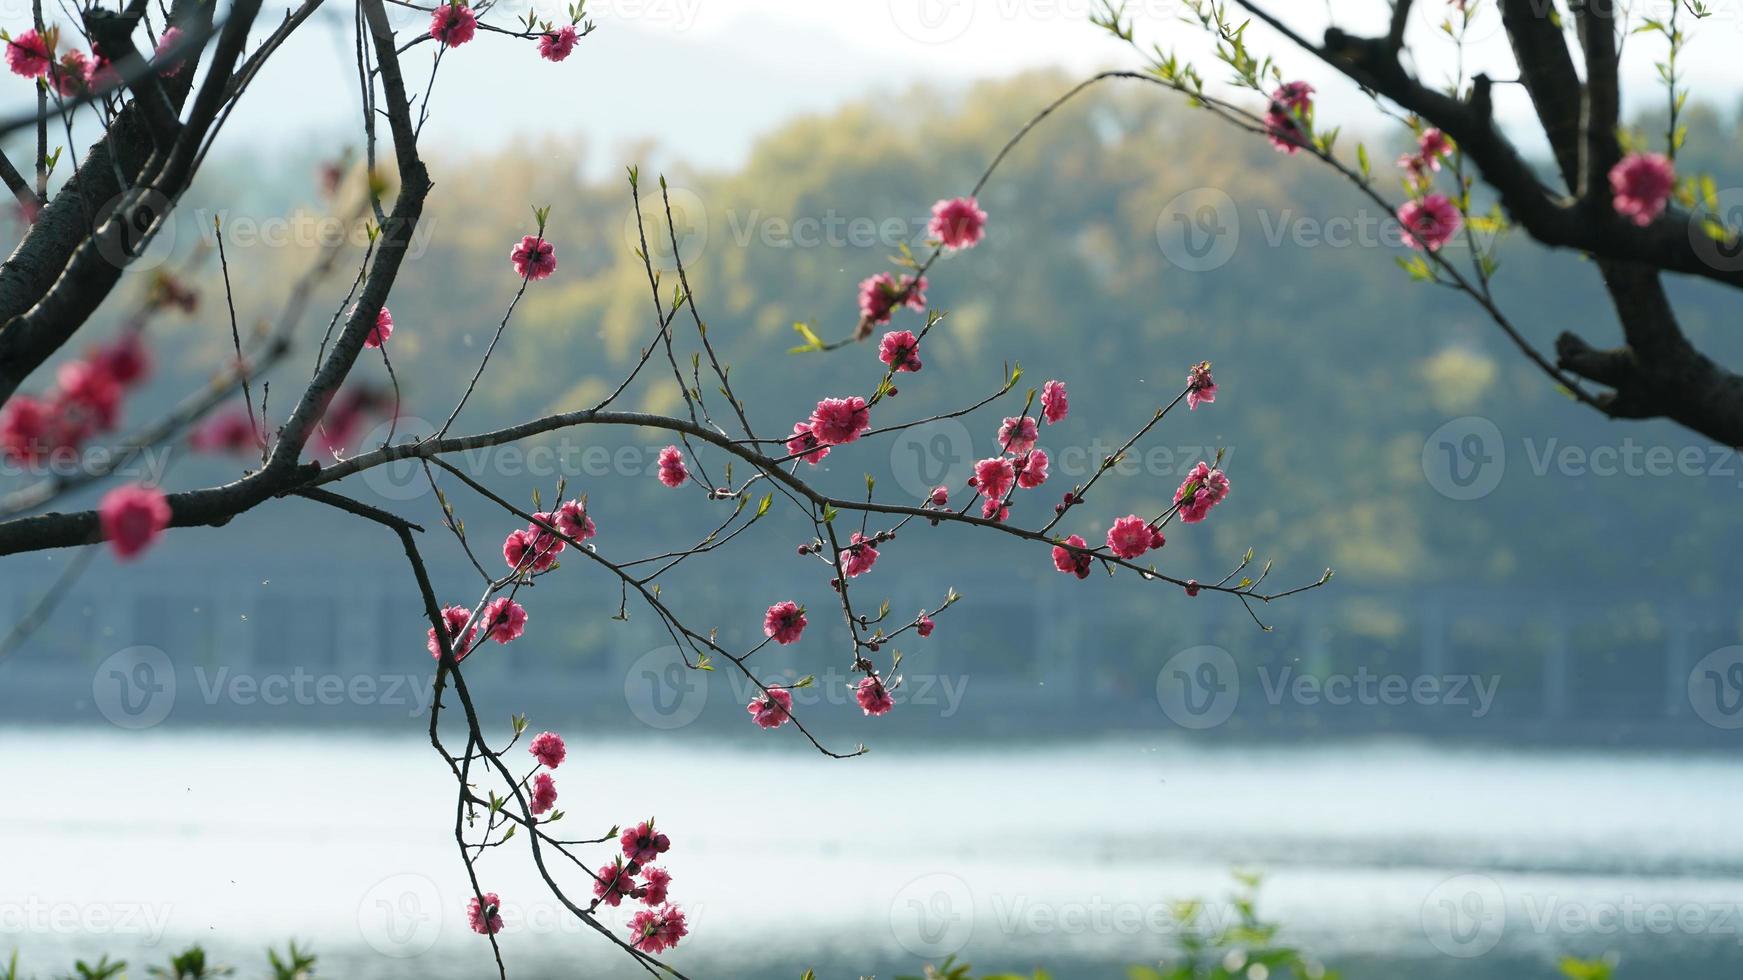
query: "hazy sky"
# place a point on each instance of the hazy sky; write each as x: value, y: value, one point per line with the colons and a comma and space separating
x: 703, y: 77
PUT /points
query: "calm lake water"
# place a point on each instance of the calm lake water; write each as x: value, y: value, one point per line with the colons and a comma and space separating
x: 1386, y: 860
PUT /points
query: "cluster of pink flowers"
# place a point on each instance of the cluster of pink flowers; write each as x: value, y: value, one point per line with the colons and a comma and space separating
x: 132, y: 517
x: 657, y: 930
x: 85, y: 401
x: 1289, y: 117
x: 31, y: 55
x: 548, y: 748
x: 1420, y: 166
x: 1642, y: 184
x: 1019, y: 463
x: 879, y: 296
x: 1202, y: 489
x: 672, y: 471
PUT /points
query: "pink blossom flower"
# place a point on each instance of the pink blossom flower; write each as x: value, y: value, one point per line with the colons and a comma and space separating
x: 1207, y: 488
x: 1017, y: 435
x: 227, y: 432
x: 993, y: 477
x: 873, y: 698
x: 655, y: 883
x: 1054, y: 404
x: 546, y: 543
x: 958, y: 222
x: 642, y: 843
x: 506, y: 619
x: 514, y: 549
x: 454, y: 618
x: 544, y: 793
x: 771, y: 709
x: 1031, y: 469
x: 924, y: 625
x: 28, y: 54
x: 548, y: 748
x: 573, y: 521
x: 784, y: 621
x: 1416, y: 171
x: 838, y: 421
x: 487, y: 918
x: 1430, y: 222
x: 1431, y: 146
x: 672, y: 471
x: 556, y: 45
x: 132, y: 517
x: 1129, y: 537
x: 170, y: 39
x: 87, y: 388
x: 940, y: 497
x: 1291, y: 105
x: 805, y: 446
x: 1200, y: 386
x: 1192, y: 586
x: 612, y: 883
x: 1072, y: 562
x: 1642, y: 183
x: 900, y: 350
x: 859, y: 556
x: 126, y: 360
x: 880, y: 294
x: 382, y: 330
x: 534, y: 258
x: 995, y: 509
x: 71, y: 75
x: 453, y: 24
x: 24, y: 426
x: 657, y: 931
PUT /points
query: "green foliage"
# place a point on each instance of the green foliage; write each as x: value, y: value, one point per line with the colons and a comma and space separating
x: 295, y: 963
